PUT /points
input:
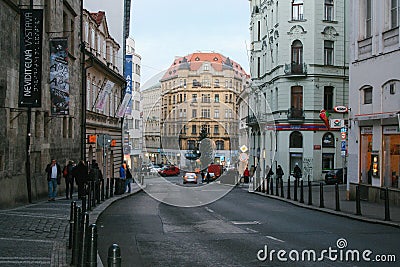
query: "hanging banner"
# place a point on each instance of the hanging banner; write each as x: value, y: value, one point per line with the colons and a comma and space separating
x: 128, y: 79
x: 122, y: 108
x: 30, y: 64
x: 101, y: 101
x: 59, y: 76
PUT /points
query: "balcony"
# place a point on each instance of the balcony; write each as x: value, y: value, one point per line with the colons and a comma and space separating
x: 296, y: 69
x: 251, y: 120
x: 295, y: 114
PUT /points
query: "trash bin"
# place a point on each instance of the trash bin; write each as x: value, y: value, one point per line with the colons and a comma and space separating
x: 119, y: 186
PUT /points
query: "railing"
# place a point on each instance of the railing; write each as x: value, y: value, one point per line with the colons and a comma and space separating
x: 295, y: 114
x: 295, y: 68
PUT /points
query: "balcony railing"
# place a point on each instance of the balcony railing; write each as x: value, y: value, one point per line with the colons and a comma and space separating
x: 295, y: 114
x: 296, y: 69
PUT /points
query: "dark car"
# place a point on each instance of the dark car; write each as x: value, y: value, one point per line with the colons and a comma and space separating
x: 335, y: 176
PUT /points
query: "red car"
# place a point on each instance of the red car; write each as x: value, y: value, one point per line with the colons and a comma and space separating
x: 169, y: 171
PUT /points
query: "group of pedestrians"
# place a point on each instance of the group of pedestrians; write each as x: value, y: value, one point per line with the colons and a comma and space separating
x: 297, y: 174
x: 80, y: 174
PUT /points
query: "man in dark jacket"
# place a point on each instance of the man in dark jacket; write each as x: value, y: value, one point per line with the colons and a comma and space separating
x: 69, y: 180
x: 80, y: 172
x: 53, y: 171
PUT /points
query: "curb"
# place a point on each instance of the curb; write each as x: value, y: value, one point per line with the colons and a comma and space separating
x: 333, y: 212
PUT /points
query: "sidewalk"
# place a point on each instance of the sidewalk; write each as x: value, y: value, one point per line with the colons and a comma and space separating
x: 370, y: 212
x: 37, y: 234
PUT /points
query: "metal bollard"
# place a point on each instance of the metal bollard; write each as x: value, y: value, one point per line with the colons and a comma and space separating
x: 309, y: 193
x: 358, y: 201
x: 272, y: 186
x: 263, y: 186
x: 295, y: 190
x: 92, y: 246
x: 102, y: 189
x: 282, y: 191
x: 89, y: 196
x: 84, y: 241
x: 98, y: 191
x: 337, y: 208
x: 277, y: 186
x: 93, y: 193
x: 112, y: 181
x: 288, y: 187
x: 84, y: 207
x: 107, y: 188
x: 301, y: 191
x: 71, y: 223
x: 267, y: 186
x: 321, y: 195
x: 76, y: 236
x: 387, y: 209
x: 114, y: 256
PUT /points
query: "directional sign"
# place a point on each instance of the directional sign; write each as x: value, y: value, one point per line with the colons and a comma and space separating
x: 343, y: 146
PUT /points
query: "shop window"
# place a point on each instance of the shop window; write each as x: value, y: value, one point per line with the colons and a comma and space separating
x: 328, y: 140
x: 296, y: 140
x: 328, y: 162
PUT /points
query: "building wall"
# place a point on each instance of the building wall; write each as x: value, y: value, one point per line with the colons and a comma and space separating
x: 51, y: 136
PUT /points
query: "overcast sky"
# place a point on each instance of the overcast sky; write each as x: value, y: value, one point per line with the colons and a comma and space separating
x: 164, y: 29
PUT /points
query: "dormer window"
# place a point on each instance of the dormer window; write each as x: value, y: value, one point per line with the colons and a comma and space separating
x: 206, y: 67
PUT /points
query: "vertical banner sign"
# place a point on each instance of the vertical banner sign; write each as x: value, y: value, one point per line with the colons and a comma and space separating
x: 128, y: 78
x: 30, y: 67
x: 105, y: 93
x: 122, y: 108
x: 59, y: 76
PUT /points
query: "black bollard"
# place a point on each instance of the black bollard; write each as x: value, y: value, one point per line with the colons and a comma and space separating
x: 84, y: 240
x: 277, y: 186
x: 387, y: 210
x: 309, y: 193
x: 89, y: 196
x: 102, y: 189
x: 358, y: 201
x: 76, y: 236
x: 288, y: 187
x: 295, y: 190
x: 92, y: 247
x: 84, y: 207
x: 263, y: 186
x: 321, y: 195
x: 93, y: 200
x: 301, y: 191
x: 98, y: 191
x: 282, y: 191
x: 71, y: 223
x: 112, y: 187
x: 337, y: 201
x: 114, y: 256
x: 272, y: 186
x: 107, y: 188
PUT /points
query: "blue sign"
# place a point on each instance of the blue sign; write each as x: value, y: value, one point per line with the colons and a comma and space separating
x: 128, y: 74
x: 343, y: 146
x: 343, y: 129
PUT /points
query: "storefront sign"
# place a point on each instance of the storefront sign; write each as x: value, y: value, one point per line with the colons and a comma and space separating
x: 336, y: 123
x: 341, y: 109
x: 30, y: 65
x: 391, y: 130
x: 366, y: 130
x: 317, y: 147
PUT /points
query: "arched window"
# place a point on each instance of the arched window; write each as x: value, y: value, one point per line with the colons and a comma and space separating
x: 219, y: 145
x: 297, y: 52
x: 296, y: 140
x: 328, y: 140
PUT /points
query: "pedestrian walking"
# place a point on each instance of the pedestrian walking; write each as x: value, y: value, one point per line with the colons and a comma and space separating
x: 69, y: 179
x: 53, y: 171
x: 246, y: 175
x: 270, y: 172
x: 297, y: 173
x: 208, y: 177
x: 80, y: 172
x: 128, y: 179
x: 96, y: 177
x: 279, y: 174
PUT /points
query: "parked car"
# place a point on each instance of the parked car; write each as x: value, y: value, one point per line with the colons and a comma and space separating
x: 216, y: 169
x: 335, y: 176
x: 190, y: 177
x: 169, y: 171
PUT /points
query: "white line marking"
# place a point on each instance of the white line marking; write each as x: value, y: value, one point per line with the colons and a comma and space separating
x: 244, y: 222
x: 251, y: 230
x: 26, y: 262
x: 25, y: 240
x: 209, y: 210
x: 274, y: 238
x: 25, y: 258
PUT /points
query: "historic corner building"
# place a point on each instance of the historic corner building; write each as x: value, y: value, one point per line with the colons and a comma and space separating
x: 374, y: 136
x: 104, y: 90
x: 298, y: 67
x: 40, y: 94
x: 200, y: 91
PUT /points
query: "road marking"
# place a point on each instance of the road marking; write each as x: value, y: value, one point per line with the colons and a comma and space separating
x: 244, y: 222
x: 251, y: 230
x: 274, y: 238
x: 209, y: 210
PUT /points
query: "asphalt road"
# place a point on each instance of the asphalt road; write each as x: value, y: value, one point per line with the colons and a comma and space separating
x: 236, y: 230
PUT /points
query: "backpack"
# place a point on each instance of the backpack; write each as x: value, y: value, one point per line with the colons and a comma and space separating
x: 65, y: 171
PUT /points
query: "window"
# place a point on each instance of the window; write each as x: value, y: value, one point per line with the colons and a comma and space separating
x: 394, y: 14
x: 191, y: 144
x: 297, y: 10
x: 258, y: 30
x: 194, y: 129
x: 368, y: 95
x: 206, y: 98
x: 328, y: 140
x: 137, y: 124
x: 194, y: 113
x: 297, y: 97
x: 216, y: 129
x: 216, y: 113
x: 296, y: 140
x: 137, y: 69
x: 368, y: 19
x: 328, y: 161
x: 194, y: 98
x: 297, y: 53
x: 258, y: 67
x: 392, y: 88
x: 328, y: 53
x: 216, y: 98
x: 205, y: 128
x: 206, y: 67
x: 219, y: 145
x: 228, y: 113
x: 328, y: 97
x: 328, y: 10
x: 216, y: 83
x: 205, y: 113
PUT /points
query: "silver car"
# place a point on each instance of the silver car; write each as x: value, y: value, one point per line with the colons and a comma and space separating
x: 190, y: 177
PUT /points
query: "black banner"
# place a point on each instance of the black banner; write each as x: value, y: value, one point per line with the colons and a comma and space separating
x: 30, y: 67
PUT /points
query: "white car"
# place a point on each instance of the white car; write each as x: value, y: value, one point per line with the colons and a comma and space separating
x: 190, y: 177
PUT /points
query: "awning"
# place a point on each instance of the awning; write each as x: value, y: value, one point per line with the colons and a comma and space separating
x: 376, y: 116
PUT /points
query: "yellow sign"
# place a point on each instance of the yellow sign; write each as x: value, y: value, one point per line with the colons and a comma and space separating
x: 243, y: 148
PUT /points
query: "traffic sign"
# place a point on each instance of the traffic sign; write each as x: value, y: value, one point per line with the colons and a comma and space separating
x: 343, y: 135
x: 243, y: 148
x: 243, y: 157
x: 343, y: 146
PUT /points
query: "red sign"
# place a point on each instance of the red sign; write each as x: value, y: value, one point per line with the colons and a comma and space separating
x: 92, y: 139
x: 113, y: 142
x: 317, y: 147
x: 343, y: 135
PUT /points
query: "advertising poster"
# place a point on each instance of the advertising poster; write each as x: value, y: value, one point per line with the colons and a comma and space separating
x: 59, y: 77
x: 105, y: 93
x: 30, y: 67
